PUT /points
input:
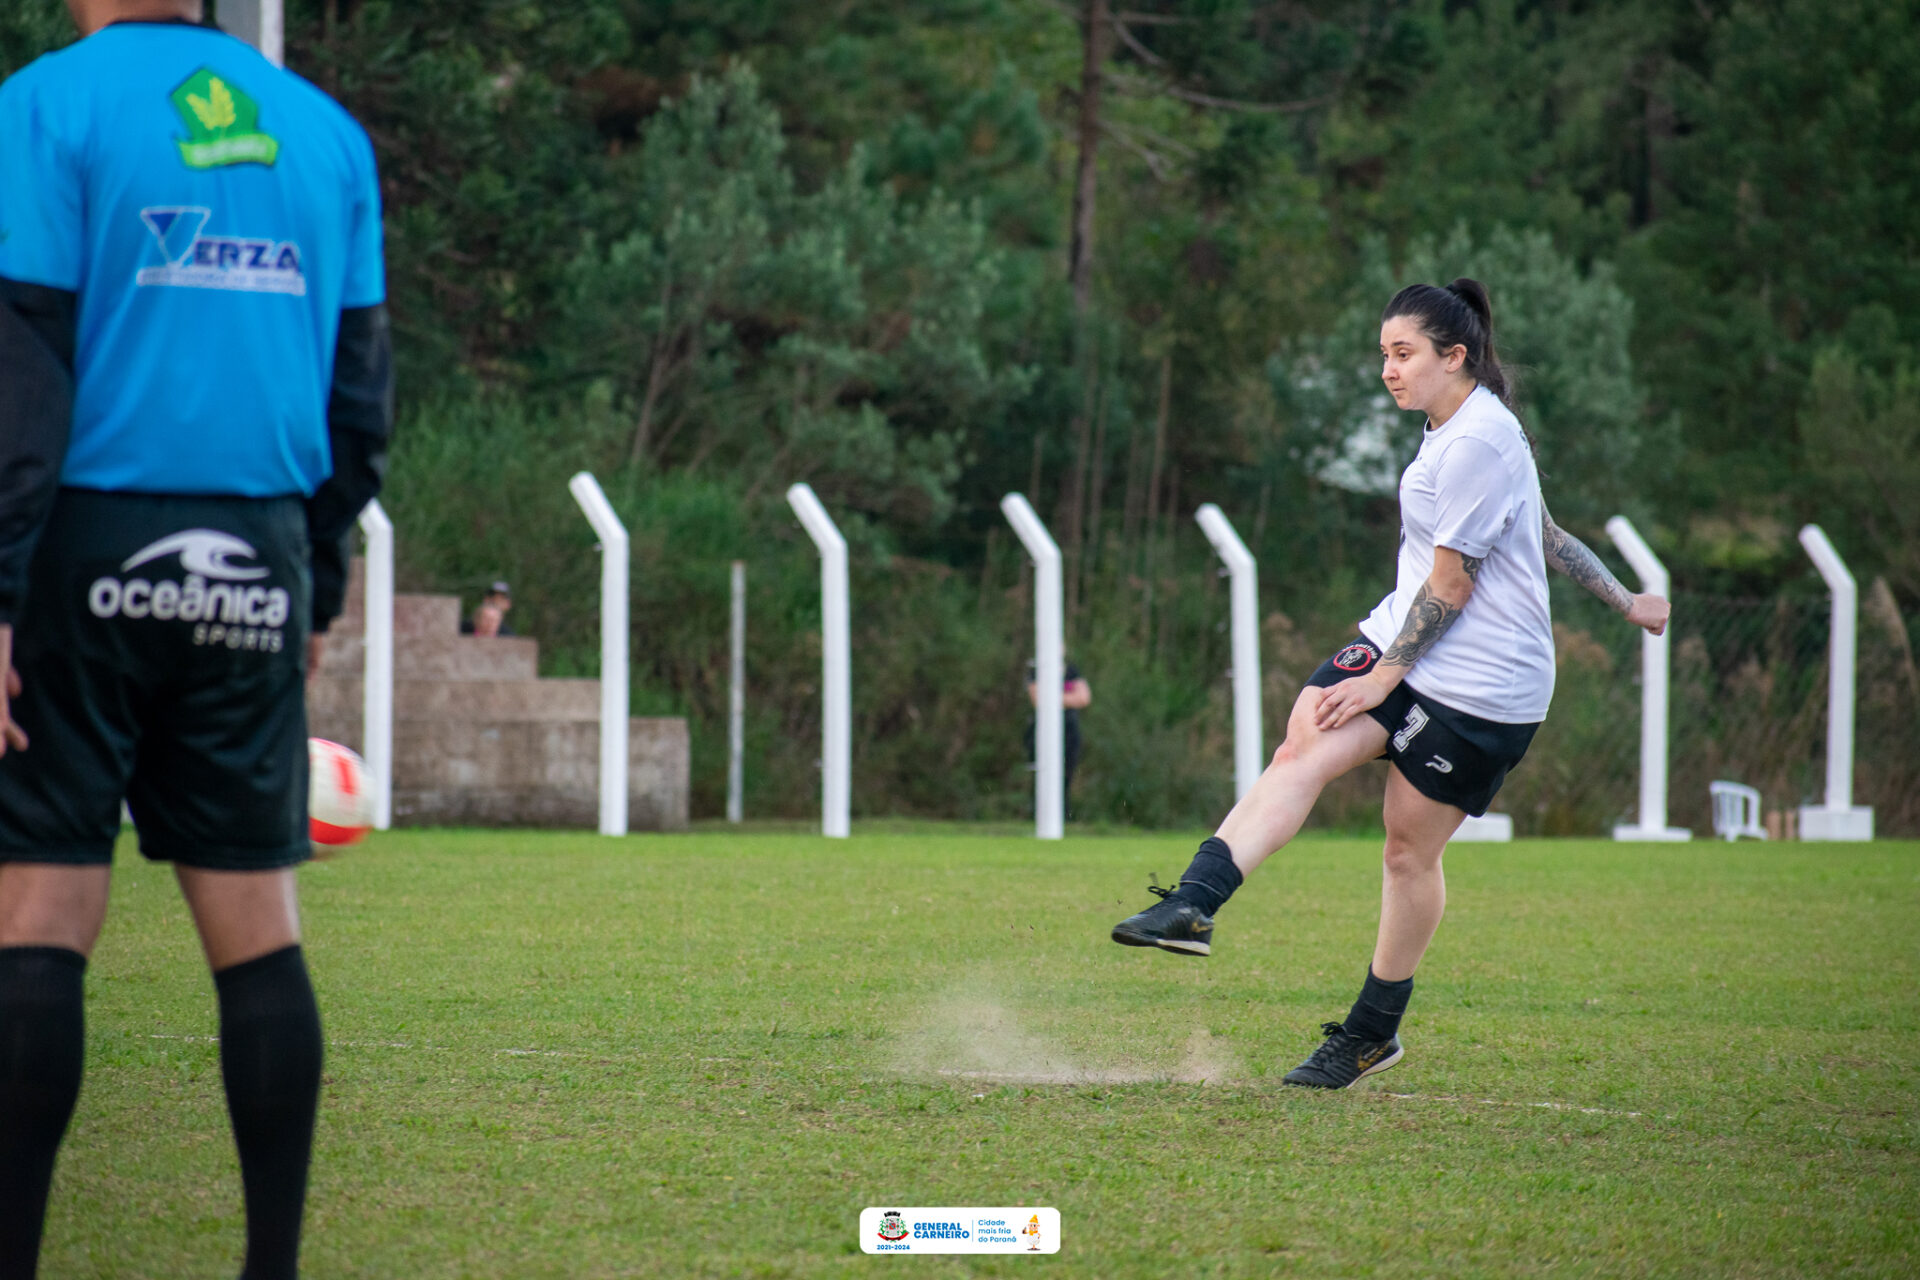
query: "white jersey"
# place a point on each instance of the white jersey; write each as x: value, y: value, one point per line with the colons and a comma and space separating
x: 1473, y: 488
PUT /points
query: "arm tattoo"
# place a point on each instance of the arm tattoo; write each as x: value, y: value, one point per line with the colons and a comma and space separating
x: 1428, y: 618
x: 1575, y: 559
x: 1472, y: 566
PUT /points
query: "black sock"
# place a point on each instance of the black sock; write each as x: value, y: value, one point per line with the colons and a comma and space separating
x: 1212, y: 877
x: 270, y: 1056
x: 1376, y: 1014
x: 42, y: 1049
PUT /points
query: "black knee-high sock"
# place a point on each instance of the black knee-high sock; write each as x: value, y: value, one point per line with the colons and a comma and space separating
x: 1376, y: 1014
x: 270, y: 1056
x: 42, y: 1047
x: 1211, y: 878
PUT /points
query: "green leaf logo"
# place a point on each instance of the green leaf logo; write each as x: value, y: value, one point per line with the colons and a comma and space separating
x: 222, y: 124
x: 216, y: 109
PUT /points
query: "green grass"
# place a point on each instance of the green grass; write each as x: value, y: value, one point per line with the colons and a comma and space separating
x: 565, y: 1056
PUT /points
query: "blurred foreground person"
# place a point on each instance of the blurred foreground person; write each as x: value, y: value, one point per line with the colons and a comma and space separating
x: 195, y: 399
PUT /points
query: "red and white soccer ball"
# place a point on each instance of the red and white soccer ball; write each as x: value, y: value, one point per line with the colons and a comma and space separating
x: 339, y: 798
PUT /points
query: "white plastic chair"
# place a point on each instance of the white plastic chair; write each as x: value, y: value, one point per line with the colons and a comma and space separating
x: 1736, y: 811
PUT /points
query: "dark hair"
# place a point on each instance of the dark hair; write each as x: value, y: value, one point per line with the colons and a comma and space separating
x: 1458, y: 315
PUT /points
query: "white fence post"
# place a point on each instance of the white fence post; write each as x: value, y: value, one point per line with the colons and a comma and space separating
x: 1655, y: 659
x: 376, y: 686
x: 1839, y: 818
x: 614, y: 701
x: 1249, y: 753
x: 836, y: 661
x: 1049, y: 683
x: 737, y: 697
x: 261, y: 23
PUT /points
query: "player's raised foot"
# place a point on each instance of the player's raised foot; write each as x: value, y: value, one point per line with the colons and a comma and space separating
x: 1344, y: 1059
x: 1172, y: 924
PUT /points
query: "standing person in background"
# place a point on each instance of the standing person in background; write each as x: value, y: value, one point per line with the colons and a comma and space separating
x: 1076, y: 695
x: 1448, y: 679
x: 195, y: 401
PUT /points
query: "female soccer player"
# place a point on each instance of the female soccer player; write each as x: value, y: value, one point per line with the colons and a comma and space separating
x: 1448, y: 679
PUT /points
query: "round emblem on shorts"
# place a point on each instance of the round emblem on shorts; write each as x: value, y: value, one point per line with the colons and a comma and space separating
x: 1354, y: 657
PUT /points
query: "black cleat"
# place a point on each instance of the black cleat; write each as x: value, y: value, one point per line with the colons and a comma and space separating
x: 1344, y: 1059
x: 1172, y: 924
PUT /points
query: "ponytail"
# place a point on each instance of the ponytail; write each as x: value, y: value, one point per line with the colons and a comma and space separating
x: 1485, y: 366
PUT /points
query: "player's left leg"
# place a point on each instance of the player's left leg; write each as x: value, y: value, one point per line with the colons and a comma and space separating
x: 1266, y: 818
x: 270, y: 1048
x: 1413, y: 896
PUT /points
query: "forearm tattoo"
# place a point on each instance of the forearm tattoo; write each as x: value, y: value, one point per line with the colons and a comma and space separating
x: 1575, y: 559
x: 1428, y: 618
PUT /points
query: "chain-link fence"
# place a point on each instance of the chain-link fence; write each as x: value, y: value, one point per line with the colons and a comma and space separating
x: 1748, y: 703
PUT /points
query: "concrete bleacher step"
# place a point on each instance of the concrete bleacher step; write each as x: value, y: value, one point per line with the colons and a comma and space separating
x: 451, y: 657
x: 413, y: 614
x: 465, y: 700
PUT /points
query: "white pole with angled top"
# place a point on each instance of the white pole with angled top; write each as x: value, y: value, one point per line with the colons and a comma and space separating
x: 614, y: 700
x: 1249, y: 755
x: 261, y: 23
x: 1839, y: 818
x: 1049, y: 681
x: 376, y: 695
x: 1654, y: 663
x: 836, y: 661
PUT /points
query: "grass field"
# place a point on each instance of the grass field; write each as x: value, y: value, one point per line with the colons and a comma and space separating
x: 566, y: 1056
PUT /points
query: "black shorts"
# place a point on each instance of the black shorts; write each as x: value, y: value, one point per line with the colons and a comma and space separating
x: 161, y: 651
x: 1447, y: 755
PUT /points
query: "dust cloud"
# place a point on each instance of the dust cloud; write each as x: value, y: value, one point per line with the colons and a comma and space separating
x: 986, y: 1040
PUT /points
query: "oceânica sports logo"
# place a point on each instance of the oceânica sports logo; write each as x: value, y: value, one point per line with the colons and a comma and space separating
x: 222, y: 597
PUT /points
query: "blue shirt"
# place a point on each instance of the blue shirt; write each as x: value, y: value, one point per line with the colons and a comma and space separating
x: 214, y: 214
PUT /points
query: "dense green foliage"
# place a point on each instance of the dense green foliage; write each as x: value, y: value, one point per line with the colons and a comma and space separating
x: 706, y: 250
x: 567, y: 1057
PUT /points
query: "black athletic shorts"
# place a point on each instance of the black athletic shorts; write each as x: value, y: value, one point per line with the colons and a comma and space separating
x: 1447, y: 755
x: 161, y: 650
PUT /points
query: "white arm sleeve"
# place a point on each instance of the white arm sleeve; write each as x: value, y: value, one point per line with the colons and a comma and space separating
x: 1474, y: 497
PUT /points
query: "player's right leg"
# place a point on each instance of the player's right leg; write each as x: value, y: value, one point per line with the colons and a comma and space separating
x: 50, y: 917
x: 1266, y: 818
x: 59, y: 818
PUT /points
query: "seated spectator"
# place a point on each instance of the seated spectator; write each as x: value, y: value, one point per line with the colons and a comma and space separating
x: 490, y: 617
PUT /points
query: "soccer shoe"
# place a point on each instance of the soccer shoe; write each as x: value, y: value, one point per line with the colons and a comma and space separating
x: 1172, y: 924
x: 1344, y: 1059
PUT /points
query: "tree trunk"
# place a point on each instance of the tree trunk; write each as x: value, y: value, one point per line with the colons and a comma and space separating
x: 1033, y: 492
x: 1165, y: 643
x: 1096, y: 37
x: 1159, y: 446
x: 1075, y: 500
x: 1150, y: 560
x: 657, y: 373
x: 1096, y: 484
x: 1130, y: 496
x: 1662, y: 124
